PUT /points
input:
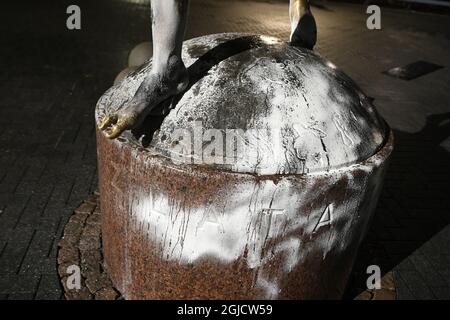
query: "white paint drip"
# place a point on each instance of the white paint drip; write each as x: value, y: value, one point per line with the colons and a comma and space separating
x: 334, y: 125
x: 188, y: 235
x: 300, y: 136
x: 252, y: 216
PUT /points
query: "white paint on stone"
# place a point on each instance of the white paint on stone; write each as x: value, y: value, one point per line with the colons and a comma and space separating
x: 309, y: 117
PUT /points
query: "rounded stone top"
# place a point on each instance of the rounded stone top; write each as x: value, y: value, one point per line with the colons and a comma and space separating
x: 255, y: 104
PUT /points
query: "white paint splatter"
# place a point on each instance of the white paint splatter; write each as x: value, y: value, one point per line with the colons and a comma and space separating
x: 276, y: 90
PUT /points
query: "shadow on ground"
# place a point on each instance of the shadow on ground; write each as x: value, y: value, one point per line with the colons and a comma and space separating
x: 411, y: 210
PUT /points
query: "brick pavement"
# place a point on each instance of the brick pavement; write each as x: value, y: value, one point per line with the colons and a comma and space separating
x: 51, y: 79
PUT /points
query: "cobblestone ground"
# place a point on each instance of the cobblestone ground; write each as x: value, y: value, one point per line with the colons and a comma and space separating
x: 51, y: 79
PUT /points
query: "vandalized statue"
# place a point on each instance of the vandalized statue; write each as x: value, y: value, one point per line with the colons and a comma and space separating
x: 261, y: 181
x: 168, y: 75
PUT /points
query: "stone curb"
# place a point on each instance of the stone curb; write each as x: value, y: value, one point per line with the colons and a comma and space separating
x: 81, y: 246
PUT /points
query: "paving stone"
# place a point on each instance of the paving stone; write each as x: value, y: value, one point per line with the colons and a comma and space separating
x: 365, y: 295
x: 75, y: 294
x: 88, y: 243
x: 26, y: 283
x: 7, y: 281
x: 412, y: 278
x: 441, y: 293
x: 384, y: 294
x: 422, y: 293
x: 427, y: 271
x: 21, y: 296
x: 90, y: 262
x: 49, y: 288
x: 12, y: 179
x: 98, y: 282
x: 68, y: 254
x: 12, y: 257
x: 37, y: 265
x: 439, y: 261
x: 106, y: 294
x: 13, y: 211
x: 74, y: 227
x: 63, y: 268
x: 86, y: 208
x: 388, y: 282
x: 402, y: 290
